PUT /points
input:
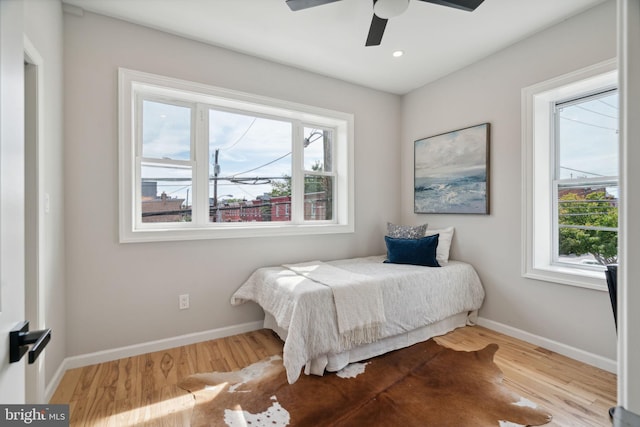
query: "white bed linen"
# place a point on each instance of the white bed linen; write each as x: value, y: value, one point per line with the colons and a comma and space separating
x: 413, y: 296
x: 358, y: 300
x: 336, y: 361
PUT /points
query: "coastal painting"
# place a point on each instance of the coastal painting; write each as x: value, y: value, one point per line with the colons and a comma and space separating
x: 451, y: 174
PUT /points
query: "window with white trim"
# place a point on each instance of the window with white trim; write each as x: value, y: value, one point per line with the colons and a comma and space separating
x: 200, y: 162
x: 570, y: 177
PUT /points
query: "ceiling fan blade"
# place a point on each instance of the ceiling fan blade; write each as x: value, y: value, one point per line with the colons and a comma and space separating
x: 376, y: 30
x: 468, y: 5
x: 305, y: 4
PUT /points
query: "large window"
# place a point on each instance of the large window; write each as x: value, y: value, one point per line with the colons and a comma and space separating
x: 201, y: 162
x: 570, y: 177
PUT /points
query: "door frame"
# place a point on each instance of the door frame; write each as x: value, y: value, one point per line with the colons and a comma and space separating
x: 34, y: 213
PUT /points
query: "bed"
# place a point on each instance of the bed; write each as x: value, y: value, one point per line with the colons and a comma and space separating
x: 412, y: 304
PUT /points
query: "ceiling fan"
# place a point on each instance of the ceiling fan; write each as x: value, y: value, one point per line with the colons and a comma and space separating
x: 383, y: 10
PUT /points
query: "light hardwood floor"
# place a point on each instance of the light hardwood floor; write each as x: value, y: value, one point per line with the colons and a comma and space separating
x: 142, y: 390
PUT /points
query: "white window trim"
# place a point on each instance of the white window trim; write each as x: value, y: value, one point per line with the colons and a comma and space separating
x: 343, y: 144
x: 537, y: 186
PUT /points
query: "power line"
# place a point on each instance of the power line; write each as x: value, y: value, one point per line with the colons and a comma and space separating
x: 589, y: 124
x: 256, y: 180
x: 242, y: 190
x: 230, y: 178
x: 579, y: 171
x: 596, y: 112
x: 179, y: 189
x: 307, y: 140
x: 241, y: 136
x: 266, y: 164
x: 615, y: 107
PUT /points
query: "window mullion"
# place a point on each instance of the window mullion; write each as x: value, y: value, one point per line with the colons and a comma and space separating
x: 137, y: 191
x: 200, y: 205
x: 297, y: 174
x: 137, y: 164
x: 555, y: 134
x: 555, y: 176
x: 555, y: 229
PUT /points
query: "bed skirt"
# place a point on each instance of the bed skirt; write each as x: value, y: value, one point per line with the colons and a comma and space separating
x: 335, y: 362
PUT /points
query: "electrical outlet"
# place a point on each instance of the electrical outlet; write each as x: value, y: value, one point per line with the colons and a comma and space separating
x: 183, y: 301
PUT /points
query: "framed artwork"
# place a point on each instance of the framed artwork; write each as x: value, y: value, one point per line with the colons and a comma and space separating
x: 451, y: 172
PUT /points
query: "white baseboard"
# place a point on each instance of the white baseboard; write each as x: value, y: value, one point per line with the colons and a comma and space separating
x: 54, y: 383
x: 566, y: 350
x: 147, y: 347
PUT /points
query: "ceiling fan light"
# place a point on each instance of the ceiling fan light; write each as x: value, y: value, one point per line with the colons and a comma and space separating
x: 387, y: 9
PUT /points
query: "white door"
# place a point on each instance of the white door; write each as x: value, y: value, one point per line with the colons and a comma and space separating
x: 12, y: 280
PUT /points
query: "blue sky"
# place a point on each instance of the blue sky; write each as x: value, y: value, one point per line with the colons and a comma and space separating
x: 249, y: 147
x: 589, y: 138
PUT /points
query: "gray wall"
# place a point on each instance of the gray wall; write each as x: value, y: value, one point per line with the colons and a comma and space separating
x: 489, y: 91
x: 125, y: 294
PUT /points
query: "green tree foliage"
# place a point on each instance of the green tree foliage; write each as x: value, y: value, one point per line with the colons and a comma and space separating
x: 593, y: 210
x: 281, y: 187
x: 312, y: 184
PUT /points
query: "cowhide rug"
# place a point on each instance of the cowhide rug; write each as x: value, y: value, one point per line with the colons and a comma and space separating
x: 423, y: 385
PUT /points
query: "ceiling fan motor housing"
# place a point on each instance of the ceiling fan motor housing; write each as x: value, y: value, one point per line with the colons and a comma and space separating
x: 387, y: 9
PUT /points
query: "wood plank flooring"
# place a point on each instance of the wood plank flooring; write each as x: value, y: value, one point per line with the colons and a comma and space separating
x: 143, y: 391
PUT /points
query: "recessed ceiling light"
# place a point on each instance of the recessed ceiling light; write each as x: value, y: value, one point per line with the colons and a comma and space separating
x: 398, y: 53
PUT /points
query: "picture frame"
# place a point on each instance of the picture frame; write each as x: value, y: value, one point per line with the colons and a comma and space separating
x: 451, y: 172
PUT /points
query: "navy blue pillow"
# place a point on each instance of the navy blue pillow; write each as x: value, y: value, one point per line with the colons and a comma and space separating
x: 412, y: 251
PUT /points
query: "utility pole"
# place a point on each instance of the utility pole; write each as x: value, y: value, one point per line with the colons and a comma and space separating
x: 328, y: 167
x: 216, y: 172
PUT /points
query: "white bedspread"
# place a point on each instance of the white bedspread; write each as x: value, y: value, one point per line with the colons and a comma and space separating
x: 413, y: 296
x: 358, y: 300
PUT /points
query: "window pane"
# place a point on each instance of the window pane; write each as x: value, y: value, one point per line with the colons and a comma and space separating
x: 166, y: 131
x: 318, y: 198
x: 587, y: 201
x: 249, y: 168
x: 588, y: 221
x: 317, y: 150
x: 166, y: 192
x: 588, y: 135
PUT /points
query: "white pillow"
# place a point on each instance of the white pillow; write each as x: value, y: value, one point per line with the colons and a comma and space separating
x: 444, y: 243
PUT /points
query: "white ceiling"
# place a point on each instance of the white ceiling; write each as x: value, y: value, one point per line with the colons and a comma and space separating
x: 329, y: 39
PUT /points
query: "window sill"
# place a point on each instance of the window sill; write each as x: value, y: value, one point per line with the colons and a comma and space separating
x: 569, y: 276
x: 231, y: 232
